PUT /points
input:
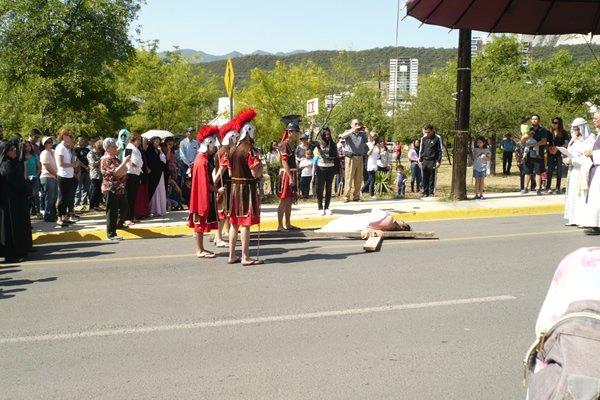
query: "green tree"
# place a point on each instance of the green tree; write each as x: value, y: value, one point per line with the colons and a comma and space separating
x: 167, y: 92
x: 282, y: 91
x: 57, y: 56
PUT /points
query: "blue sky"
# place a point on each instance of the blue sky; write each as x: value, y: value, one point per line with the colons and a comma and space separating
x: 221, y: 26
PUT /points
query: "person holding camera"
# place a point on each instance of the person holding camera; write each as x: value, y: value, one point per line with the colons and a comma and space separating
x: 134, y: 169
x: 355, y: 140
x: 113, y: 188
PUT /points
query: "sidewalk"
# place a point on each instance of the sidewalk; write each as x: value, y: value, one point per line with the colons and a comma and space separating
x: 305, y: 215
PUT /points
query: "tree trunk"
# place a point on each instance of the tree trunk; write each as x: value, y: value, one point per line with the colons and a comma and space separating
x: 463, y: 106
x: 493, y: 140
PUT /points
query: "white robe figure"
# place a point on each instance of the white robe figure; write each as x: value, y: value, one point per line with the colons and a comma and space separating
x: 578, y: 166
x: 591, y: 211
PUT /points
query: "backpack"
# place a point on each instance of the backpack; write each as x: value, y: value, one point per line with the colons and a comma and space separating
x: 571, y: 350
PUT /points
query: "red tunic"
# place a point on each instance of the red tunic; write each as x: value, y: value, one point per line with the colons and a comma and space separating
x: 203, y: 214
x: 285, y: 190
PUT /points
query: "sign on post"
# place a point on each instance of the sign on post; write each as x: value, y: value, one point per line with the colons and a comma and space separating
x: 228, y: 78
x: 312, y: 107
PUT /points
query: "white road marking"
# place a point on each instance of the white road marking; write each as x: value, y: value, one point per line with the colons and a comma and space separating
x: 249, y: 321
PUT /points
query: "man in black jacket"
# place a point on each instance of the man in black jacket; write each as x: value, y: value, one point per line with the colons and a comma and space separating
x: 430, y: 158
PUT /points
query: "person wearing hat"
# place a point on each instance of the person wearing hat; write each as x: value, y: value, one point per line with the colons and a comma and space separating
x: 188, y: 148
x: 288, y: 178
x: 48, y: 179
x: 246, y: 169
x: 203, y: 210
x: 302, y: 147
x: 582, y: 138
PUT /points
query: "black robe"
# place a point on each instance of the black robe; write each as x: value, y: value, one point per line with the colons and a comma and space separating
x: 157, y: 169
x: 15, y: 191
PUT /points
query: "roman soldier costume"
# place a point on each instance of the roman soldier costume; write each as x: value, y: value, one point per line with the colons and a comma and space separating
x: 203, y: 210
x: 244, y: 200
x: 288, y: 153
x: 228, y: 140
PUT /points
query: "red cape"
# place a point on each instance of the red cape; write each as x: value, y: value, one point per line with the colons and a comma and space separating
x: 200, y: 198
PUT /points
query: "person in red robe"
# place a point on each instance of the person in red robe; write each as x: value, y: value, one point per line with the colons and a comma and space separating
x: 288, y: 178
x: 203, y: 206
x: 246, y: 169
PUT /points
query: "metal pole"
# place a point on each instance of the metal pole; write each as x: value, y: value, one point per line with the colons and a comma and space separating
x: 231, y: 105
x: 463, y: 107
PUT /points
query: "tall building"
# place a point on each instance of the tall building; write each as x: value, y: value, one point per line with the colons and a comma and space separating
x: 404, y: 74
x: 525, y: 49
x: 477, y: 44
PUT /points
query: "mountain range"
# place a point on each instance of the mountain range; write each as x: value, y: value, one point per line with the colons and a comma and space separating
x: 203, y: 57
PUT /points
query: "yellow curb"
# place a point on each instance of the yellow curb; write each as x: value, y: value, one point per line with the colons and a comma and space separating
x: 307, y: 223
x: 413, y: 216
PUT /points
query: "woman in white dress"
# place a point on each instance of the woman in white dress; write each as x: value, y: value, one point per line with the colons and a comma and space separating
x: 581, y: 139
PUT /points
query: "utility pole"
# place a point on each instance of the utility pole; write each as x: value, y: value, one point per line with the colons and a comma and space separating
x: 463, y: 109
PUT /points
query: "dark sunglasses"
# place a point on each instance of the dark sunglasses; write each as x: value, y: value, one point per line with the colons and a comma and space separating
x: 555, y: 122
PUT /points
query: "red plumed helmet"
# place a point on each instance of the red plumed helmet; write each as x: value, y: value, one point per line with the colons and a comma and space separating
x: 243, y: 125
x: 225, y: 129
x: 206, y: 131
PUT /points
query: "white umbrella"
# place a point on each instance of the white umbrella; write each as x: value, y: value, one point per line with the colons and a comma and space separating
x: 156, y: 133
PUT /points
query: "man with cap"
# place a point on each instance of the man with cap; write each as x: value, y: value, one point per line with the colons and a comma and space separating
x: 302, y: 147
x: 203, y: 210
x: 188, y: 148
x: 288, y: 177
x: 246, y: 169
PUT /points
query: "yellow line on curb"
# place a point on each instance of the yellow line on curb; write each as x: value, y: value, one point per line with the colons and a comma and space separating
x: 307, y: 223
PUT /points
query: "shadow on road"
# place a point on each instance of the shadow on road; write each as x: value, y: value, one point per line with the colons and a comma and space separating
x: 68, y: 250
x: 9, y: 286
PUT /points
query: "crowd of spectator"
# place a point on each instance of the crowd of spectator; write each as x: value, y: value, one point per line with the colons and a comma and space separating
x: 66, y: 175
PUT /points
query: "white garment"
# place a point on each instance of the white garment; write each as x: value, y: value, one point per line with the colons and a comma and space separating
x: 158, y: 203
x: 135, y: 163
x: 353, y: 223
x: 61, y: 150
x: 372, y: 159
x: 591, y: 211
x: 480, y: 164
x: 590, y: 217
x: 47, y: 157
x: 576, y: 190
x: 384, y: 159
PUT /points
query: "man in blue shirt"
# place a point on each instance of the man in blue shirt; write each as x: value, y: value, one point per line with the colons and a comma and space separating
x: 188, y: 148
x: 508, y: 148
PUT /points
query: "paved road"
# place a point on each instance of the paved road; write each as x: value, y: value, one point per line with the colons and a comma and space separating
x: 144, y: 319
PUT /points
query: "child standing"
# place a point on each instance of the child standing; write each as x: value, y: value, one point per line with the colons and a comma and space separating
x: 481, y: 156
x: 306, y: 173
x: 401, y: 180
